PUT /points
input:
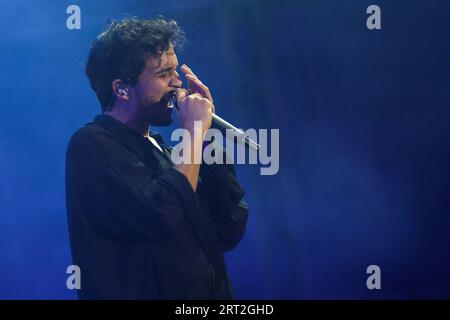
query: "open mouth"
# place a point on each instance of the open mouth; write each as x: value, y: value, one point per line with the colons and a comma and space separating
x: 168, y: 99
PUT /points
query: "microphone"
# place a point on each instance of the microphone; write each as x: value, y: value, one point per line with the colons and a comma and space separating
x: 223, y: 125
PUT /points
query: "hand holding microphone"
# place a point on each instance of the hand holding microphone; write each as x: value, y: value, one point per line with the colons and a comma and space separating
x: 193, y: 107
x: 199, y: 91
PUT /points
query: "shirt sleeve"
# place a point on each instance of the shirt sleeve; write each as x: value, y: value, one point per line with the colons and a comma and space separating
x: 120, y: 196
x: 224, y: 196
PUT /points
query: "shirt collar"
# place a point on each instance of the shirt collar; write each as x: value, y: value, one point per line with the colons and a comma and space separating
x: 115, y: 125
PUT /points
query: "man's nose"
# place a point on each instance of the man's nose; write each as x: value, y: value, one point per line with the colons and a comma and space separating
x: 176, y: 81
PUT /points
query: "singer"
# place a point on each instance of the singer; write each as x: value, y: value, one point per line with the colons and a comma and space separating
x: 141, y: 227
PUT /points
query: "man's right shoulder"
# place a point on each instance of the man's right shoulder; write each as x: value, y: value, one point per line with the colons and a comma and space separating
x: 90, y: 133
x: 91, y: 141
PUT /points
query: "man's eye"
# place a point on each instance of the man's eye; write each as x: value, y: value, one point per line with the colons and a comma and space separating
x: 166, y: 74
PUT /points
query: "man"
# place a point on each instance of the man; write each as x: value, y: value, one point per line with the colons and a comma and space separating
x: 141, y: 227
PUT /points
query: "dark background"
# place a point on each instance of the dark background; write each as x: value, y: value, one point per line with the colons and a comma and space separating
x: 364, y: 151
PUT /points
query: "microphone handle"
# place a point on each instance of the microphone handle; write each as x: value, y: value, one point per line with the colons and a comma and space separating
x: 224, y: 125
x: 241, y: 137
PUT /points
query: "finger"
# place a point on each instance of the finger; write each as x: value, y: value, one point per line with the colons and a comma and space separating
x: 186, y: 70
x: 181, y: 94
x: 197, y: 95
x: 198, y: 86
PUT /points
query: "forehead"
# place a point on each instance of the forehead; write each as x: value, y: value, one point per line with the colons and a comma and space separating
x: 168, y: 59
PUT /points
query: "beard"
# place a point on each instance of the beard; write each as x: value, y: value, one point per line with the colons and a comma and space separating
x: 159, y: 114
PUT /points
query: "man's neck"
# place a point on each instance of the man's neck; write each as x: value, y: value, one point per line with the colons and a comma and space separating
x: 130, y: 121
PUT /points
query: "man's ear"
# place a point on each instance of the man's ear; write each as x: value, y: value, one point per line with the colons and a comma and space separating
x: 120, y: 89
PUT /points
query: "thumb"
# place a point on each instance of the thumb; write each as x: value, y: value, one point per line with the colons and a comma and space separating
x: 181, y: 94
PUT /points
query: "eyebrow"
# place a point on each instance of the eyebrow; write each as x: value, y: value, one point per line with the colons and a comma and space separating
x: 163, y: 70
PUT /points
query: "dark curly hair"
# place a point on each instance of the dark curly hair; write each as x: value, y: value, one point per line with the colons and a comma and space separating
x: 121, y: 52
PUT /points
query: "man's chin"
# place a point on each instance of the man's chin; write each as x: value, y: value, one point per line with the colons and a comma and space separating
x: 162, y: 121
x: 158, y: 115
